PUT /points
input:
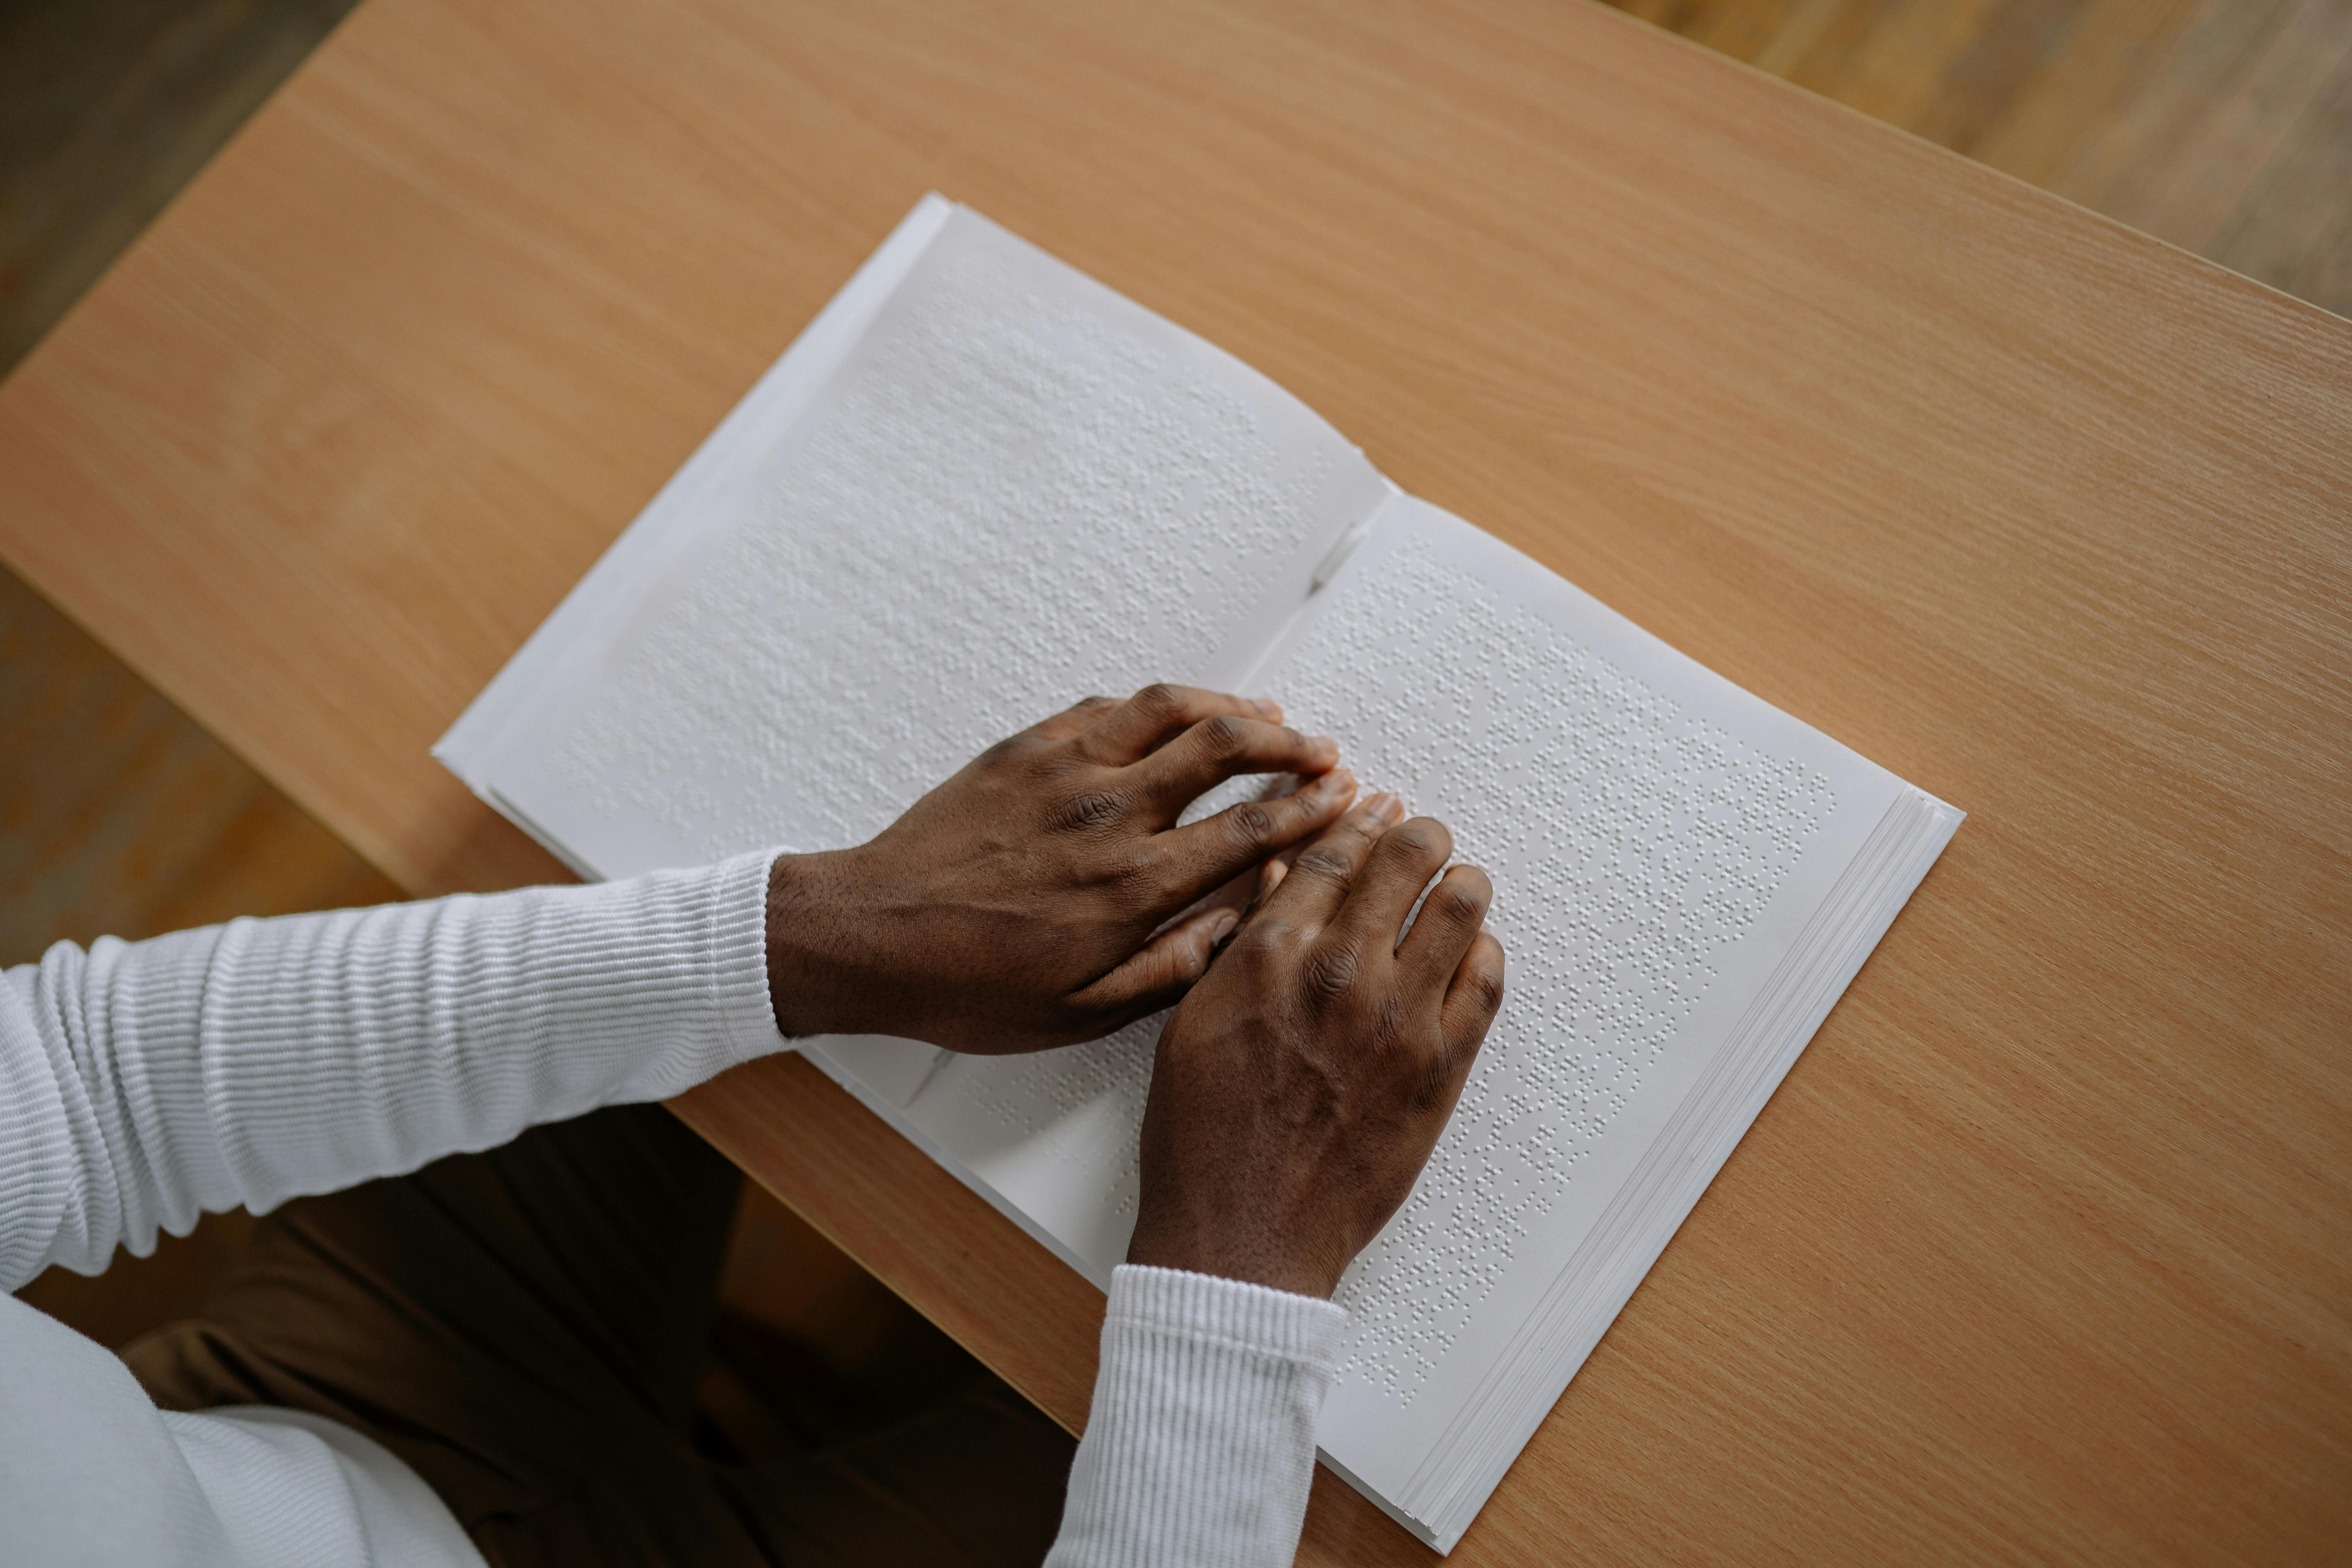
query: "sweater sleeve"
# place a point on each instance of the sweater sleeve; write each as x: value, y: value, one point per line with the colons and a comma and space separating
x: 1199, y: 1448
x: 141, y: 1084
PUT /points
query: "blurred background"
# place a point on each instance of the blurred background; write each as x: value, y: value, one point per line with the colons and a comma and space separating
x: 2222, y: 126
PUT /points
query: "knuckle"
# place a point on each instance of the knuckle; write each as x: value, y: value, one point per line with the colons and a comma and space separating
x: 1252, y: 824
x: 1159, y: 698
x: 1090, y: 810
x: 1323, y: 860
x: 1329, y: 970
x: 1411, y: 841
x: 1459, y: 905
x: 1223, y: 737
x: 1486, y: 983
x: 1034, y: 750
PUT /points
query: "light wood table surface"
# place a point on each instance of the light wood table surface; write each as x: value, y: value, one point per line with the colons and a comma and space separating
x: 2044, y: 1251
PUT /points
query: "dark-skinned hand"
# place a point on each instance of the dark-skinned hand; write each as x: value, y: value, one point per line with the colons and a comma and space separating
x: 1301, y: 1085
x: 1020, y: 905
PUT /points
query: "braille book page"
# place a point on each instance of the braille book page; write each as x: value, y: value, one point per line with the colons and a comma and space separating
x: 1018, y: 488
x: 1658, y: 840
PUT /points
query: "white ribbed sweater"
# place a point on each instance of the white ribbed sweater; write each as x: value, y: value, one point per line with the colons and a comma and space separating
x: 143, y: 1084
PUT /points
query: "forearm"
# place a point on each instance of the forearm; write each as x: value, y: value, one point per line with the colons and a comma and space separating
x: 141, y: 1083
x: 1200, y: 1447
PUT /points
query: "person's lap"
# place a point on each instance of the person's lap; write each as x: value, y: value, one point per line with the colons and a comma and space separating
x: 525, y: 1328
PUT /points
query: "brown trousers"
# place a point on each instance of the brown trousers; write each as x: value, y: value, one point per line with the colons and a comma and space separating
x: 525, y: 1328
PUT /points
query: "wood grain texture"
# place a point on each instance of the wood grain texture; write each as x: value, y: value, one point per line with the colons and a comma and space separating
x: 2042, y: 1251
x: 877, y: 1196
x: 107, y: 108
x: 2223, y: 126
x: 118, y: 817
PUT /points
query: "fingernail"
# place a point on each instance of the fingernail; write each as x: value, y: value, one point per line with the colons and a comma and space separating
x: 1385, y: 806
x: 1224, y: 928
x: 1323, y: 740
x: 1269, y: 707
x: 1339, y: 783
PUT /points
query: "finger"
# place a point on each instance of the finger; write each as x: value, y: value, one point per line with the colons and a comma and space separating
x: 1472, y: 1000
x: 1136, y: 728
x: 1269, y: 877
x: 1212, y: 852
x: 1221, y: 748
x: 1398, y: 868
x: 1450, y: 919
x: 1318, y: 883
x: 1077, y: 718
x: 1462, y: 1020
x: 1160, y: 975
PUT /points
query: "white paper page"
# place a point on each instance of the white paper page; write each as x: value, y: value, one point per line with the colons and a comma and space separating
x: 1657, y: 839
x: 1019, y: 489
x: 1050, y: 1139
x: 694, y: 504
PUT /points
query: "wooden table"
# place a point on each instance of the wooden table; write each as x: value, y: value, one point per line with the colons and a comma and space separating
x: 2044, y: 1250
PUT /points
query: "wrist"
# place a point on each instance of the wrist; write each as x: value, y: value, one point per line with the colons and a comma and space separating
x: 814, y: 982
x: 1235, y: 1252
x: 1230, y: 1315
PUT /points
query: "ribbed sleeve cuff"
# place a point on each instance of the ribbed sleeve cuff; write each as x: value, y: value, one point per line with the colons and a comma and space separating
x: 739, y: 945
x: 1228, y: 1313
x: 1199, y: 1449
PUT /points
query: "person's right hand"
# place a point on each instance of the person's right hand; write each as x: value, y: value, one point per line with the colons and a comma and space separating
x: 1300, y: 1086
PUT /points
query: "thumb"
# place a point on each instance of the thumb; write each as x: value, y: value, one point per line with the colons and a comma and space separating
x: 1159, y: 975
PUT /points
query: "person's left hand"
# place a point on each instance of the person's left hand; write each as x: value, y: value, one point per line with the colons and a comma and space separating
x: 1015, y: 906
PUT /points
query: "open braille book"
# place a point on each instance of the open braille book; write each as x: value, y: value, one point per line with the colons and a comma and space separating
x: 982, y: 485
